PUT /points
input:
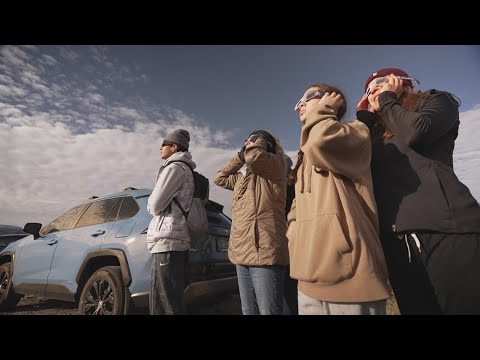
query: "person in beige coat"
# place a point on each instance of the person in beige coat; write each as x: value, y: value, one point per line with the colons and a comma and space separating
x: 335, y: 251
x: 258, y: 243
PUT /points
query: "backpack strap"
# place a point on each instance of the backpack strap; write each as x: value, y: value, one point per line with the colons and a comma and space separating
x: 180, y: 206
x: 185, y: 213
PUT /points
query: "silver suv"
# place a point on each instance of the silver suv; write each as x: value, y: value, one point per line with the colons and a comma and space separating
x: 96, y: 254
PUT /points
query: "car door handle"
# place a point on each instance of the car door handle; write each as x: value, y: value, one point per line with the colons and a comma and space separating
x: 53, y: 242
x: 99, y: 232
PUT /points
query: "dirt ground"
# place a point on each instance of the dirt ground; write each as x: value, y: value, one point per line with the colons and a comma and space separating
x: 228, y: 304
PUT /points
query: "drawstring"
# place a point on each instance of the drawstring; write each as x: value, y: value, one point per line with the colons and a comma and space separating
x: 309, y: 178
x: 408, y: 248
x: 417, y: 242
x: 303, y: 176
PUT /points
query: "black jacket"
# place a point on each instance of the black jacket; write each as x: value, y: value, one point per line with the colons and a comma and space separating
x: 415, y: 186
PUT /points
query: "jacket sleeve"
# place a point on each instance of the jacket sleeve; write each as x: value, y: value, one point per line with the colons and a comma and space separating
x: 292, y: 222
x: 435, y: 117
x: 339, y: 148
x: 229, y: 175
x: 263, y: 163
x: 168, y: 184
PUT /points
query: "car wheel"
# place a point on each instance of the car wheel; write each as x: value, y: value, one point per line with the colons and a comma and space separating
x: 8, y: 299
x: 103, y: 293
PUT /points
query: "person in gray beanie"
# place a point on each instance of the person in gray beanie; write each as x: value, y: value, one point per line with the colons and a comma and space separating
x: 168, y: 239
x: 180, y: 137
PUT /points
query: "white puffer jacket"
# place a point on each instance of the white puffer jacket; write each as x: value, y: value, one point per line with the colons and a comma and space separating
x: 168, y: 229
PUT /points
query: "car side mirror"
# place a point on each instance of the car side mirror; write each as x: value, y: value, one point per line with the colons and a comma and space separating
x: 33, y: 228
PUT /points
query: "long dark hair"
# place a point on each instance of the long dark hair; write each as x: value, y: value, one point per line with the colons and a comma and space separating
x: 292, y: 176
x: 331, y: 89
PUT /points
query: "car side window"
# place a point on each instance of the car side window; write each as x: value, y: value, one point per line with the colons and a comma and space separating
x: 65, y: 221
x: 129, y: 208
x: 97, y: 212
x: 112, y: 215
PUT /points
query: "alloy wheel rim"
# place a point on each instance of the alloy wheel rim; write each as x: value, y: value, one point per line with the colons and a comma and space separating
x: 100, y: 299
x: 4, y: 278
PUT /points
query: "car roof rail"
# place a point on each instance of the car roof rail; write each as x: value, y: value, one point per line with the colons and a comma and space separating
x: 93, y: 197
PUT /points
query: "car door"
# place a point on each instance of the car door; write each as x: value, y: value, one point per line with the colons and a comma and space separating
x: 212, y: 261
x: 34, y: 259
x: 87, y: 236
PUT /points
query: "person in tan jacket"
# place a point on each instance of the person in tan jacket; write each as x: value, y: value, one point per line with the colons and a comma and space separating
x: 258, y: 244
x: 334, y: 246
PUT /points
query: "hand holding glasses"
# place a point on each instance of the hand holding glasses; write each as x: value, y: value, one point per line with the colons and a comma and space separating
x: 311, y: 95
x: 384, y: 79
x: 252, y: 138
x: 241, y: 154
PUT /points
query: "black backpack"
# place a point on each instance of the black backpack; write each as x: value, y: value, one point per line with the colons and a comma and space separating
x: 197, y: 220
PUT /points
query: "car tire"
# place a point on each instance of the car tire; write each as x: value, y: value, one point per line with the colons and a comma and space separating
x: 103, y: 293
x: 8, y: 299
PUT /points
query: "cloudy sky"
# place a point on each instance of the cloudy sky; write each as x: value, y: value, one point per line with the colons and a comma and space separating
x: 77, y: 121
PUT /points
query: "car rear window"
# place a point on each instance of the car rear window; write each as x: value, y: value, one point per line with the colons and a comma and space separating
x: 97, y: 212
x: 129, y: 208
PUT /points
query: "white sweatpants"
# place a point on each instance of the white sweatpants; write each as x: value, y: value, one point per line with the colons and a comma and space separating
x: 310, y: 306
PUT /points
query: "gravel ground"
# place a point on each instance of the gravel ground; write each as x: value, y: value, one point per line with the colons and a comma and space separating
x: 31, y: 305
x: 228, y: 304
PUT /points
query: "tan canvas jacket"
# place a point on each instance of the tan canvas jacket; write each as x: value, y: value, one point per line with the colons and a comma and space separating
x: 335, y: 251
x: 258, y: 234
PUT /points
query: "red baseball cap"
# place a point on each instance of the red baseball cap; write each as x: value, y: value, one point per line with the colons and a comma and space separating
x: 385, y: 72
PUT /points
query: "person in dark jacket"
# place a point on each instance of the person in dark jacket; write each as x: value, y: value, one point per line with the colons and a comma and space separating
x: 429, y: 220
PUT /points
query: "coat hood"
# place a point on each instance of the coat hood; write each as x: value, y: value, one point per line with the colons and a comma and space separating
x: 181, y: 156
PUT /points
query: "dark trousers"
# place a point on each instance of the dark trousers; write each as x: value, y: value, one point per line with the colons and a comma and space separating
x: 167, y: 283
x: 290, y: 294
x: 443, y: 277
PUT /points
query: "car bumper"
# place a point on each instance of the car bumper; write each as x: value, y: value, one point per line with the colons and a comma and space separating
x: 196, y: 290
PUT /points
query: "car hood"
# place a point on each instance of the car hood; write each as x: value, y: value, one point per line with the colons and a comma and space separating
x: 6, y: 230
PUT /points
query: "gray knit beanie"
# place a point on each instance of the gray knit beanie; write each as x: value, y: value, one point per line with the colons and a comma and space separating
x: 180, y: 137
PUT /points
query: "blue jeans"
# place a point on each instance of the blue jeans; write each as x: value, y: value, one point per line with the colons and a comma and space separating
x: 261, y: 289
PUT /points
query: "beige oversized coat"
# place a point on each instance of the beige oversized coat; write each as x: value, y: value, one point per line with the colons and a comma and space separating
x: 335, y: 251
x: 258, y: 234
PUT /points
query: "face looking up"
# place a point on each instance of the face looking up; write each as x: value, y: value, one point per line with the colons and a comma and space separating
x: 167, y: 149
x: 311, y: 98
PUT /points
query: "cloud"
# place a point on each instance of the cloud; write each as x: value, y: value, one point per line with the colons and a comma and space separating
x: 70, y: 139
x: 68, y: 54
x: 11, y: 91
x: 6, y: 79
x: 48, y: 168
x: 99, y: 53
x: 49, y: 60
x: 466, y: 157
